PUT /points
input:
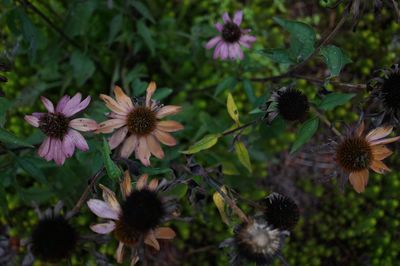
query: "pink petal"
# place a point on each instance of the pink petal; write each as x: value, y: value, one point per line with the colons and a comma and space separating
x: 38, y: 115
x: 81, y: 106
x: 143, y: 152
x: 104, y: 228
x: 226, y: 17
x: 164, y: 137
x: 44, y: 147
x: 214, y: 41
x: 78, y: 139
x: 72, y: 104
x: 50, y: 154
x: 219, y: 27
x: 150, y: 91
x: 61, y: 104
x: 122, y: 98
x: 83, y: 124
x: 154, y: 147
x: 48, y: 104
x: 68, y: 145
x: 109, y: 125
x: 217, y: 51
x: 102, y: 209
x: 247, y: 39
x: 32, y: 120
x: 129, y: 146
x: 118, y: 137
x: 169, y: 126
x: 120, y: 253
x: 168, y: 110
x: 237, y: 19
x: 59, y: 156
x: 224, y: 51
x: 235, y: 51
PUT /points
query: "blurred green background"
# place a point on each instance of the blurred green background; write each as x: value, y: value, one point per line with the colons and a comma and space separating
x: 62, y: 47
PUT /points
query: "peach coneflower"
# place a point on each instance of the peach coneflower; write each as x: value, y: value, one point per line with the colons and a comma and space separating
x: 356, y: 153
x: 136, y: 219
x: 138, y: 125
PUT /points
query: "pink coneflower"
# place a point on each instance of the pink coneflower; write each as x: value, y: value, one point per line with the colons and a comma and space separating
x: 139, y: 127
x: 231, y: 38
x: 60, y: 129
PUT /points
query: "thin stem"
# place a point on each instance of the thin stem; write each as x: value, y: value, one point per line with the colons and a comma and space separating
x: 92, y: 182
x: 325, y: 120
x: 241, y: 127
x: 282, y: 259
x: 338, y: 84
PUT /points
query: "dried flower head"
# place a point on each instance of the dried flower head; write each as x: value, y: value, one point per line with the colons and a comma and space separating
x: 287, y: 102
x: 136, y: 219
x: 356, y: 153
x: 61, y: 130
x: 232, y: 37
x: 386, y: 92
x: 281, y: 212
x: 138, y: 125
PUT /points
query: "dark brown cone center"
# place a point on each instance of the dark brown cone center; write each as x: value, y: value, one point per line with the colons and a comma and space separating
x: 54, y: 125
x: 141, y: 121
x: 231, y: 32
x: 354, y: 154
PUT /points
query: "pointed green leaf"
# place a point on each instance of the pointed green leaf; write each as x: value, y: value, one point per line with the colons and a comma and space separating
x: 335, y: 59
x: 232, y: 108
x: 203, y: 144
x: 112, y: 169
x: 243, y: 155
x: 10, y: 138
x: 335, y: 99
x: 305, y: 133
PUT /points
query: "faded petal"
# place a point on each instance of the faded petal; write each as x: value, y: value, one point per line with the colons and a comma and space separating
x: 224, y: 52
x: 135, y: 259
x: 247, y: 39
x: 81, y: 106
x: 119, y: 256
x: 78, y: 139
x: 143, y: 152
x: 113, y: 105
x: 50, y: 154
x: 32, y: 120
x: 150, y: 91
x: 59, y: 156
x: 360, y: 129
x: 154, y: 147
x: 118, y: 137
x: 83, y: 124
x: 237, y: 19
x: 169, y: 126
x: 142, y: 182
x: 378, y: 133
x: 219, y: 27
x: 164, y: 233
x: 217, y: 51
x: 164, y: 137
x: 379, y: 167
x: 109, y: 125
x: 384, y: 141
x: 213, y: 42
x: 151, y: 240
x: 47, y: 103
x: 126, y: 185
x: 110, y: 198
x: 102, y: 209
x: 68, y: 145
x: 359, y: 180
x: 168, y: 110
x: 380, y: 152
x: 61, y: 104
x: 129, y: 146
x: 226, y: 17
x: 38, y: 114
x: 44, y: 147
x: 122, y: 98
x: 153, y: 184
x: 104, y: 228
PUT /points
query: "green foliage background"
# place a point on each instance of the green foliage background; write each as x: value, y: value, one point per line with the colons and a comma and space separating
x: 90, y: 45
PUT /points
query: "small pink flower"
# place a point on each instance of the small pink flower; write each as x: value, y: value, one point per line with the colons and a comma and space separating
x: 60, y: 129
x: 232, y: 37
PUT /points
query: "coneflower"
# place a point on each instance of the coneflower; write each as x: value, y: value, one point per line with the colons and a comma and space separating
x: 281, y: 211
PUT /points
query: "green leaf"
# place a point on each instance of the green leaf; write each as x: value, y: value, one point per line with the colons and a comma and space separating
x: 145, y: 33
x: 232, y: 108
x: 83, y: 67
x: 220, y: 204
x: 178, y: 191
x: 142, y: 9
x: 155, y: 171
x: 335, y: 59
x: 227, y: 83
x: 29, y: 33
x: 10, y: 138
x: 162, y: 93
x: 203, y: 144
x: 305, y: 133
x: 243, y: 155
x: 335, y: 99
x: 115, y: 27
x: 278, y: 55
x: 29, y: 165
x: 79, y: 16
x: 3, y: 200
x: 112, y: 169
x: 248, y: 88
x: 5, y: 104
x: 302, y: 38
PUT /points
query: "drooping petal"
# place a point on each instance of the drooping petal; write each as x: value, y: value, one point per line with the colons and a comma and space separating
x: 224, y: 52
x: 50, y: 154
x: 102, y: 209
x: 83, y: 124
x: 217, y: 51
x: 218, y: 26
x: 154, y: 147
x: 380, y: 152
x: 122, y: 98
x: 153, y: 184
x: 113, y: 105
x: 169, y: 126
x: 164, y: 233
x: 126, y: 186
x: 104, y: 228
x: 245, y: 38
x: 61, y: 104
x: 151, y: 240
x: 379, y: 167
x: 110, y: 198
x: 68, y: 145
x: 47, y: 103
x: 150, y: 91
x: 72, y: 104
x: 164, y: 137
x: 119, y: 256
x: 237, y: 19
x: 142, y: 151
x: 134, y: 260
x: 360, y: 129
x: 44, y: 147
x: 378, y: 133
x: 213, y: 42
x: 226, y: 17
x: 129, y: 145
x: 168, y: 110
x: 59, y: 156
x: 38, y: 114
x: 32, y: 120
x: 235, y: 52
x: 359, y: 180
x: 142, y: 181
x: 384, y: 141
x: 118, y: 137
x: 78, y: 139
x: 108, y: 126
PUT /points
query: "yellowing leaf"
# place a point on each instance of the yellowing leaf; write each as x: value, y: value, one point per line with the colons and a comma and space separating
x: 243, y: 155
x: 232, y: 108
x: 220, y: 203
x: 203, y: 144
